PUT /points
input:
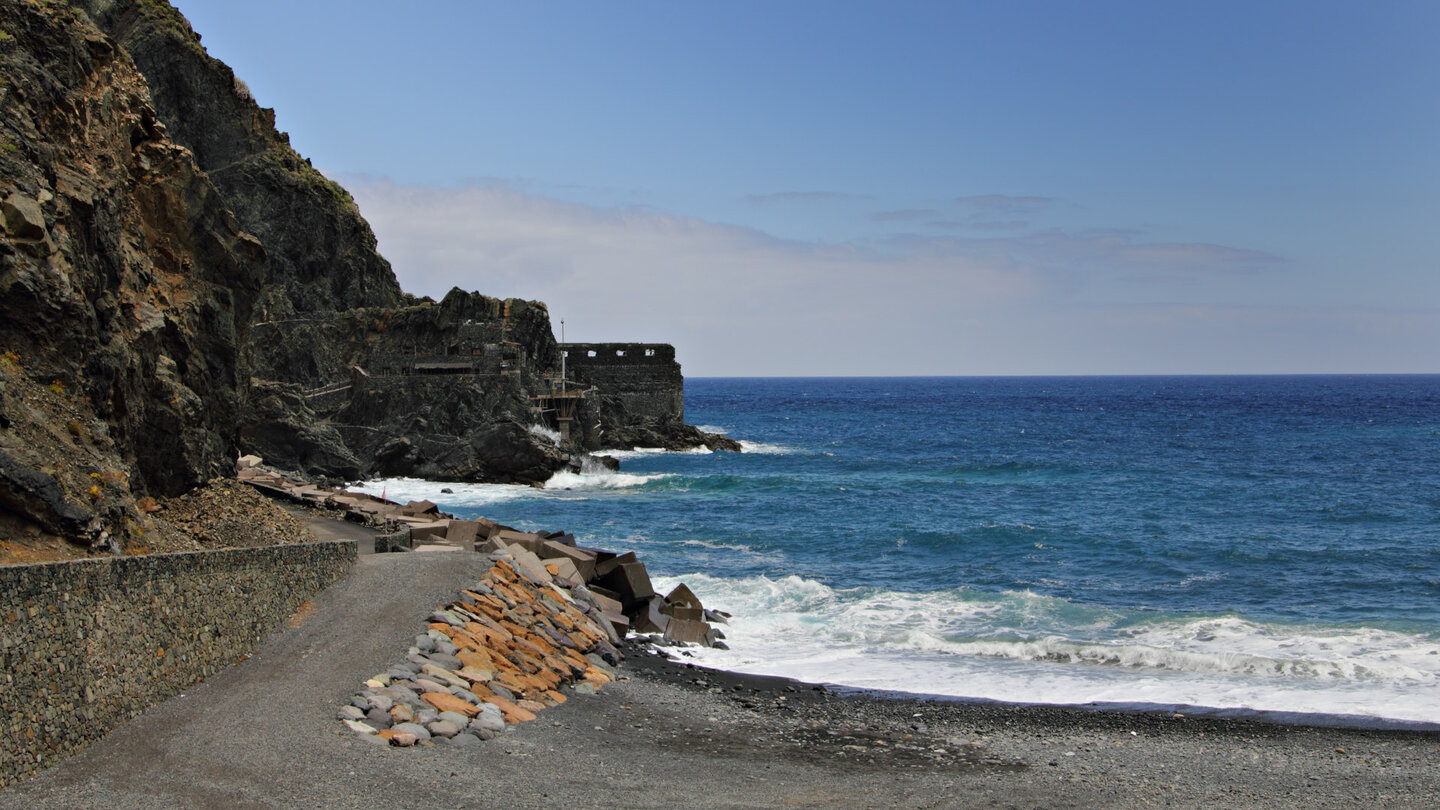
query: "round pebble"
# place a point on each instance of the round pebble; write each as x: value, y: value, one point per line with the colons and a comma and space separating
x: 443, y: 728
x: 488, y: 722
x: 416, y: 729
x: 457, y: 718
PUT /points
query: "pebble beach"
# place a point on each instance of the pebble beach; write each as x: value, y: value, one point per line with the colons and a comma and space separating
x: 669, y: 734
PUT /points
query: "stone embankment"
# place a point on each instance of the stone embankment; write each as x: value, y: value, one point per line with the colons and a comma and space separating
x: 546, y: 618
x: 88, y: 644
x: 503, y: 650
x: 618, y: 583
x: 506, y: 647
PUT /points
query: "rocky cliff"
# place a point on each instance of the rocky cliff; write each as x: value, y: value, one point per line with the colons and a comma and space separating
x: 178, y: 286
x: 126, y: 290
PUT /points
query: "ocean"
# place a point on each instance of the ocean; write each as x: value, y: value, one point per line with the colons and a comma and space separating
x: 1229, y: 545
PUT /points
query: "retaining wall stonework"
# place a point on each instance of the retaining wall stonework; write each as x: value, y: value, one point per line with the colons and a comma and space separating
x: 86, y: 645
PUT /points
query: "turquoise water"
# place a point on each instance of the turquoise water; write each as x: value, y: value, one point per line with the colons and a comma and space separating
x: 1256, y: 544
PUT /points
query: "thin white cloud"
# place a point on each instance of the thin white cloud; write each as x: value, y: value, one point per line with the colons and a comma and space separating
x: 736, y: 300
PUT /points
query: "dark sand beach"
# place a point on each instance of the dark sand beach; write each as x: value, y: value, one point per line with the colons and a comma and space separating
x: 264, y: 734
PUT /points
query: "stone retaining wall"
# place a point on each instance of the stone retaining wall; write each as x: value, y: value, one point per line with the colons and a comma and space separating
x: 86, y: 645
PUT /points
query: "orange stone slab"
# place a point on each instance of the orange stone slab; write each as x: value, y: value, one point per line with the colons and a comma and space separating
x: 513, y: 713
x: 479, y: 659
x: 446, y: 702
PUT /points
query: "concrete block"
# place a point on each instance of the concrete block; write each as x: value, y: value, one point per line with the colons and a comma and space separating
x: 530, y: 563
x: 682, y: 595
x: 584, y: 561
x: 687, y: 631
x: 607, y: 562
x: 648, y: 618
x: 631, y: 581
x: 617, y: 622
x: 492, y: 544
x: 607, y: 601
x: 685, y: 613
x: 429, y: 531
x: 529, y: 541
x: 565, y: 568
x: 419, y: 508
x: 465, y: 533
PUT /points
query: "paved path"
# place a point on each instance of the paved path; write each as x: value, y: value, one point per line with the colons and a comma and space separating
x: 263, y: 734
x: 330, y: 529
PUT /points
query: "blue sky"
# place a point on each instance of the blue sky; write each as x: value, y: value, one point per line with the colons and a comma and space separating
x: 892, y: 188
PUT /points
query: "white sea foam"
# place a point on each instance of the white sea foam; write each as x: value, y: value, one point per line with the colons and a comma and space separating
x: 547, y: 433
x: 565, y: 480
x: 766, y: 449
x: 713, y: 429
x: 1028, y: 648
x: 402, y: 490
x: 640, y: 452
x: 462, y: 495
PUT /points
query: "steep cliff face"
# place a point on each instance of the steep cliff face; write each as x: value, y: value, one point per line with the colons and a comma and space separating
x: 433, y: 389
x: 126, y: 290
x: 178, y: 286
x: 321, y: 253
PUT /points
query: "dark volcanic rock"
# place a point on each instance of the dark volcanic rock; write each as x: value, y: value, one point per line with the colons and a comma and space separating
x: 321, y: 252
x: 126, y: 286
x: 178, y: 286
x: 281, y: 427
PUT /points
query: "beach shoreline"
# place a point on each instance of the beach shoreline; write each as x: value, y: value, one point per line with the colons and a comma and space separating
x: 264, y: 734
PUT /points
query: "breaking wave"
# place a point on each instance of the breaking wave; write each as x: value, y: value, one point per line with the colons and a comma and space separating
x: 640, y: 452
x: 1029, y: 648
x: 566, y: 480
x: 549, y: 434
x: 765, y: 449
x: 402, y: 490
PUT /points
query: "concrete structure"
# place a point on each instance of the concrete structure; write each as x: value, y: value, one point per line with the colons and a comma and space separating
x: 643, y: 377
x: 86, y: 645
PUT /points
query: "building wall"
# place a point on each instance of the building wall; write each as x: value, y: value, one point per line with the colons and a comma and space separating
x: 86, y: 645
x: 644, y: 377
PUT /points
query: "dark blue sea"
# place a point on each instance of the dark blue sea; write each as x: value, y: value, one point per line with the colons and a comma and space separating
x: 1263, y: 545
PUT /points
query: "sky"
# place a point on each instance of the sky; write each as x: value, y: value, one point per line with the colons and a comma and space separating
x: 892, y: 188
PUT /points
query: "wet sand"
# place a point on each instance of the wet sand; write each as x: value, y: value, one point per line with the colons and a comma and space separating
x: 263, y: 734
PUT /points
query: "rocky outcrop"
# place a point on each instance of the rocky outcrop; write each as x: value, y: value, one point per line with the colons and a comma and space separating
x: 178, y: 286
x: 126, y: 289
x: 321, y: 253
